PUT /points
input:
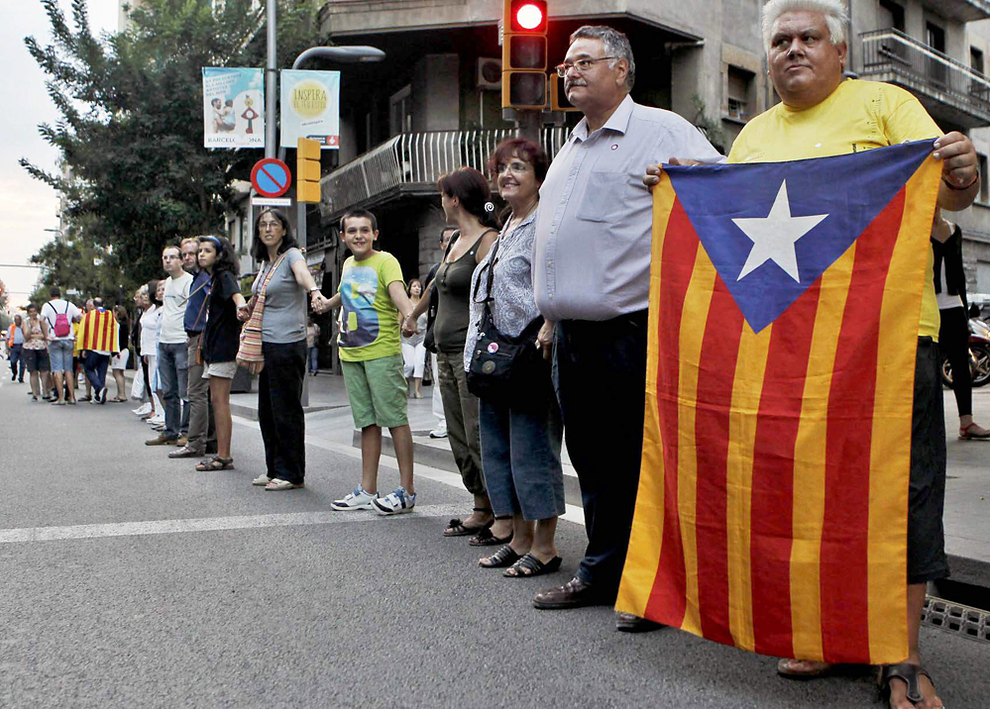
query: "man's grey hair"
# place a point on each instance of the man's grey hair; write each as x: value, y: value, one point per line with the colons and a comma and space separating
x: 616, y: 45
x: 836, y: 17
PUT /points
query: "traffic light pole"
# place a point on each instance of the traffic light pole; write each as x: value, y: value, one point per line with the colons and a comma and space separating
x: 528, y: 124
x: 271, y: 82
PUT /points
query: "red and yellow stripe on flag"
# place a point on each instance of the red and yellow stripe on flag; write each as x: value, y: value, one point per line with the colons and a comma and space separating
x: 99, y: 331
x: 772, y: 505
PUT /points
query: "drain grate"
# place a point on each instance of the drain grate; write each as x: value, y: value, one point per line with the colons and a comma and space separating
x: 971, y: 623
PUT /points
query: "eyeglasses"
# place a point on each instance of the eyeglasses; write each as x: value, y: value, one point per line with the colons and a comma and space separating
x: 582, y: 65
x: 516, y: 166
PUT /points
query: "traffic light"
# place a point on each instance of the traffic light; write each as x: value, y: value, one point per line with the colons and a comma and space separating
x: 558, y: 99
x: 524, y: 54
x: 307, y: 170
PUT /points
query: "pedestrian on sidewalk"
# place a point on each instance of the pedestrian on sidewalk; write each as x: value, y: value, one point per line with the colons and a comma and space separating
x: 273, y: 345
x: 429, y: 342
x: 148, y: 350
x: 172, y: 354
x: 100, y: 341
x: 216, y: 355
x: 953, y: 331
x: 15, y: 344
x: 521, y: 431
x: 118, y: 363
x: 466, y: 200
x: 591, y: 279
x: 371, y: 297
x: 413, y: 347
x: 198, y: 413
x: 312, y: 348
x: 35, y: 352
x: 59, y: 314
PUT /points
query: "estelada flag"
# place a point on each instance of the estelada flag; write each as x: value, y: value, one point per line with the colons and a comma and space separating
x: 785, y: 300
x: 99, y: 331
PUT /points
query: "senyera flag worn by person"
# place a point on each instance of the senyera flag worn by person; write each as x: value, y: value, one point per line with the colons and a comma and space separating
x: 784, y: 308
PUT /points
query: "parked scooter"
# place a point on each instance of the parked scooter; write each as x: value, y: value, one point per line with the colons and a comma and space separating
x: 979, y: 352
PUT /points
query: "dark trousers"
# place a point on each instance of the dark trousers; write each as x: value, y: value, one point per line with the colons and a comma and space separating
x: 280, y: 412
x: 599, y: 371
x: 96, y: 370
x: 197, y: 414
x: 15, y: 360
x: 147, y: 379
x: 953, y: 341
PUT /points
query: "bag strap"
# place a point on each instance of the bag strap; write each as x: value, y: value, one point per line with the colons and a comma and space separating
x: 263, y: 290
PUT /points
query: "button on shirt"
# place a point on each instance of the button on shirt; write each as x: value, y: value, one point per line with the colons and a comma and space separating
x: 591, y: 259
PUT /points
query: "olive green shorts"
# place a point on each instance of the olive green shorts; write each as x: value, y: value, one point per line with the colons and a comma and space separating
x: 377, y: 392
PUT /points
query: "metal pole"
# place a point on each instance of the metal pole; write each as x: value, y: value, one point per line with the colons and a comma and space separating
x: 271, y: 84
x: 528, y: 124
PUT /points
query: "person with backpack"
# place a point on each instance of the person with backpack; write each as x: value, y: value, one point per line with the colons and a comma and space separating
x: 59, y: 314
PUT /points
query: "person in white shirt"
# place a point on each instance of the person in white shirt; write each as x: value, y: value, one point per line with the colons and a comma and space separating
x: 61, y: 340
x: 172, y: 353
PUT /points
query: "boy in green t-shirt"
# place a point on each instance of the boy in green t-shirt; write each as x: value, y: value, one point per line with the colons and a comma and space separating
x: 371, y: 296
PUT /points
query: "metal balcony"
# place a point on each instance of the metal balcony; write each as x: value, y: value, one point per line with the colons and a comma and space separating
x: 950, y: 90
x: 960, y: 10
x: 411, y: 163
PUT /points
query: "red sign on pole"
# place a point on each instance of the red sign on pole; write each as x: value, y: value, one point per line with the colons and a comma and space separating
x: 271, y: 177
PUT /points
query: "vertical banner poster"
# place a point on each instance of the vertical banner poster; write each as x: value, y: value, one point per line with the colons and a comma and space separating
x: 310, y: 107
x: 233, y: 108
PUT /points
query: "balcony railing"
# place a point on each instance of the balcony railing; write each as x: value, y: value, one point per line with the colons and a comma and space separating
x: 415, y: 161
x: 890, y: 51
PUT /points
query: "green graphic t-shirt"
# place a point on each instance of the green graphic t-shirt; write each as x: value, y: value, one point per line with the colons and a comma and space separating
x: 369, y: 321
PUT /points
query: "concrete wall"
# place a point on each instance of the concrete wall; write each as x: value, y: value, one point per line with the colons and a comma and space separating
x: 436, y: 93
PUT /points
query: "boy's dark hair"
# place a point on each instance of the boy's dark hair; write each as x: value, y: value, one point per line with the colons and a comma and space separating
x: 472, y: 191
x: 358, y: 214
x: 259, y: 252
x: 226, y: 259
x: 54, y: 292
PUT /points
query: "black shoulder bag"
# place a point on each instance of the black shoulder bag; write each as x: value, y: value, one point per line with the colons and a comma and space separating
x: 509, y: 371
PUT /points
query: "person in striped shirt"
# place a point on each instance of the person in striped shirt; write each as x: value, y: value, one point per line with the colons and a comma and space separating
x: 99, y: 333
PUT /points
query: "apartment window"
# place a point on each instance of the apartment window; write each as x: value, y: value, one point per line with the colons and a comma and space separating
x: 739, y: 93
x: 984, y: 187
x: 400, y: 111
x: 891, y: 15
x: 935, y: 38
x: 976, y: 59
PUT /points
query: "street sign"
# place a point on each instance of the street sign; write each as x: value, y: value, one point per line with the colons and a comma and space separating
x: 271, y: 177
x: 272, y: 201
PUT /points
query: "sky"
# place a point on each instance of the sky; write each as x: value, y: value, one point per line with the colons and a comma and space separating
x: 28, y: 206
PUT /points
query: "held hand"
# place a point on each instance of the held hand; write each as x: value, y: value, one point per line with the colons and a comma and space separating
x: 958, y: 156
x: 244, y: 313
x: 652, y: 176
x: 409, y: 327
x: 544, y: 340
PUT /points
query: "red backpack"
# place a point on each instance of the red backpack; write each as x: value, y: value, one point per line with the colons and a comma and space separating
x: 62, y: 326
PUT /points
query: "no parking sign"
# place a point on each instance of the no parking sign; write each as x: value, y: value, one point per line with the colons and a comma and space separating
x: 271, y: 177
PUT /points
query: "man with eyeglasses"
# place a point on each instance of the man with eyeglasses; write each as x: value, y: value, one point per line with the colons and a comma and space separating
x: 591, y: 272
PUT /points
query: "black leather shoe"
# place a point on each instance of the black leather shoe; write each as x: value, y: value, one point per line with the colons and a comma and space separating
x: 629, y: 623
x: 576, y: 593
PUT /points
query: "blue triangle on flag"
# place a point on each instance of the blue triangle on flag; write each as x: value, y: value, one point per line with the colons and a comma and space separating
x: 845, y: 193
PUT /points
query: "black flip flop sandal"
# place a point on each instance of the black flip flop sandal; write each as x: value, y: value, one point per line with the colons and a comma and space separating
x: 504, y: 557
x: 907, y: 673
x: 485, y: 538
x: 456, y: 528
x: 529, y: 566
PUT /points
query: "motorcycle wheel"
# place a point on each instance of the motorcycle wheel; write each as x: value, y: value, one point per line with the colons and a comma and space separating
x: 981, y: 374
x: 946, y: 372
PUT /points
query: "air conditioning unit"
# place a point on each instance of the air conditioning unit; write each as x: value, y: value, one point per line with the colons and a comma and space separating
x: 489, y: 73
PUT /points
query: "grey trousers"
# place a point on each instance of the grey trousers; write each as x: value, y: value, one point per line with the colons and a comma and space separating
x: 461, y: 409
x: 201, y: 432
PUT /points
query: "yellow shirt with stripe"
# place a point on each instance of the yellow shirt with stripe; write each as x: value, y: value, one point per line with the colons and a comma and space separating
x: 858, y: 115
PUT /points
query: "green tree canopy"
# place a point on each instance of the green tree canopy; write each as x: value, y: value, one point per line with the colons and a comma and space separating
x: 131, y: 127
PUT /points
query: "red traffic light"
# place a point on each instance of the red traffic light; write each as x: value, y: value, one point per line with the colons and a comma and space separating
x: 529, y: 16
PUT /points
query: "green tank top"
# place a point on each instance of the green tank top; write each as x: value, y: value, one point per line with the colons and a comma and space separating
x: 453, y: 284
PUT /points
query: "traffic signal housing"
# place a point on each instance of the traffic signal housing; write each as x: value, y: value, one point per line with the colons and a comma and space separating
x: 524, y: 54
x: 307, y: 170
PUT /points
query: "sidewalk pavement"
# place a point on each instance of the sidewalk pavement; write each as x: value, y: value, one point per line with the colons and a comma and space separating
x: 967, y: 499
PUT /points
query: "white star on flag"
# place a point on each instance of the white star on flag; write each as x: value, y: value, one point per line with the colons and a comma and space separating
x: 774, y: 235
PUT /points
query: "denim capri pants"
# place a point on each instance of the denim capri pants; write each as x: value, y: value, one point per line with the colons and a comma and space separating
x: 520, y: 454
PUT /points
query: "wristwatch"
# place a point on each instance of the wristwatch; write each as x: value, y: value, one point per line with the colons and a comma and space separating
x: 314, y: 290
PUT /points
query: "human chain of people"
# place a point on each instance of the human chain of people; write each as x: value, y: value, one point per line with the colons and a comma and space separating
x: 527, y: 306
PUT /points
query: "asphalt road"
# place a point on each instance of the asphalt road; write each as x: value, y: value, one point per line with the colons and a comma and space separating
x: 152, y: 585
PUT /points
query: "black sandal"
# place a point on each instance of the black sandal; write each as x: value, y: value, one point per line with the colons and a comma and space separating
x: 907, y: 673
x: 529, y: 566
x: 506, y: 556
x: 215, y: 463
x: 456, y: 528
x: 485, y: 538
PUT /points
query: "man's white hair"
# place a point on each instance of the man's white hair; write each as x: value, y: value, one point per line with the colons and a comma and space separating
x: 836, y: 16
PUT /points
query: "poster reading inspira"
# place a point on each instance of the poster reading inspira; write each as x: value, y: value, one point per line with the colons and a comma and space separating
x: 310, y: 107
x: 233, y: 108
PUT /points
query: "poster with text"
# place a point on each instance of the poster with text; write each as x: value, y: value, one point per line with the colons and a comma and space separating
x: 233, y: 108
x: 310, y: 107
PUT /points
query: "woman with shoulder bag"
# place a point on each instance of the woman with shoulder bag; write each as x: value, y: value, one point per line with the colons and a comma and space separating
x: 273, y: 345
x: 521, y: 428
x: 466, y: 200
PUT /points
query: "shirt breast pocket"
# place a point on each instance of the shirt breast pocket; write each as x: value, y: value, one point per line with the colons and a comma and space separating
x: 602, y: 199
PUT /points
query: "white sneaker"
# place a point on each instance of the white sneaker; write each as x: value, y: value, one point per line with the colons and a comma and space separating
x: 396, y: 502
x: 437, y: 433
x: 360, y: 499
x: 143, y: 409
x: 154, y: 420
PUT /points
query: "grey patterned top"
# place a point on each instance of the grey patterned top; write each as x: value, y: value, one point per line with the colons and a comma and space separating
x: 513, y: 305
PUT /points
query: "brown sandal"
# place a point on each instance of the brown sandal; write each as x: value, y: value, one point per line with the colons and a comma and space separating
x: 215, y: 463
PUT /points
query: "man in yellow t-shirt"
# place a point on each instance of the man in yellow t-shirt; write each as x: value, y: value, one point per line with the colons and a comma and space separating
x: 821, y: 114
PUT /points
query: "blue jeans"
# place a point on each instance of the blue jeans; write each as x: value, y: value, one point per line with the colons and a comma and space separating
x: 314, y: 359
x: 15, y: 360
x: 96, y: 370
x: 173, y: 371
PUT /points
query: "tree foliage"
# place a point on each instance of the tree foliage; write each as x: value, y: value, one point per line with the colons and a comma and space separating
x: 131, y: 127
